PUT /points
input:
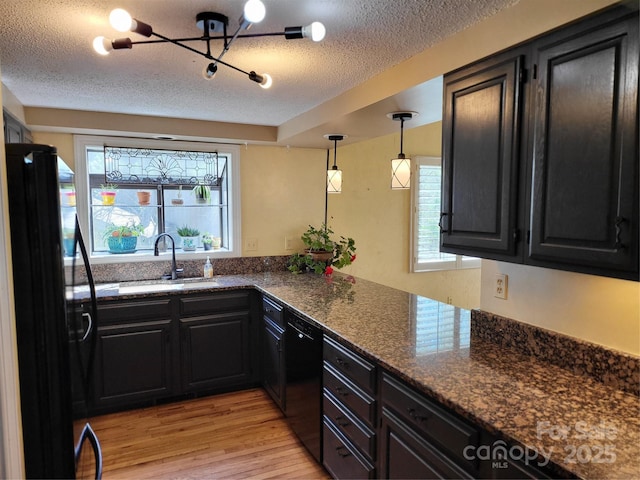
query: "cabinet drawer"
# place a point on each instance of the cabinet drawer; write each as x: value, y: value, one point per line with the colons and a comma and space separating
x: 134, y: 310
x: 350, y: 395
x: 340, y: 458
x: 213, y: 303
x: 353, y: 366
x: 431, y: 420
x: 352, y: 428
x: 273, y: 311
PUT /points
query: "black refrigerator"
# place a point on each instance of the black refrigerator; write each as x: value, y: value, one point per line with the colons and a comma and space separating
x: 56, y: 337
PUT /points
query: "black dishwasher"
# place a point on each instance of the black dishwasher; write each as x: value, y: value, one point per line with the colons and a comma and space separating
x: 303, y: 344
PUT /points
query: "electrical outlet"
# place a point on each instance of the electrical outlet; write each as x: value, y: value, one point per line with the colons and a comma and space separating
x: 501, y: 286
x: 288, y: 243
x: 449, y: 300
x: 251, y: 244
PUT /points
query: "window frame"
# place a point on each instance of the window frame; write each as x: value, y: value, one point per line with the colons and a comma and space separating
x: 81, y: 142
x: 457, y: 263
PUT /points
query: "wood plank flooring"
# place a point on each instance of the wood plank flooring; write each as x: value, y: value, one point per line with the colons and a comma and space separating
x: 234, y: 435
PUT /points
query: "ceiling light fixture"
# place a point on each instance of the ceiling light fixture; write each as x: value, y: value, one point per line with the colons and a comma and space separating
x: 210, y: 23
x: 401, y: 166
x: 334, y: 175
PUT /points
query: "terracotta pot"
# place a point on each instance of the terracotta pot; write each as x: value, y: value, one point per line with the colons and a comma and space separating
x: 319, y: 256
x: 144, y: 198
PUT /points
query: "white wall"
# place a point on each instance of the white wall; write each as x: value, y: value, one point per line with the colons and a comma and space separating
x: 11, y: 463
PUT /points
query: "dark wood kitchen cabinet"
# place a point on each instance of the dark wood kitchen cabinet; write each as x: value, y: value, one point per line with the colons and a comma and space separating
x: 419, y: 438
x: 349, y: 408
x: 481, y: 156
x: 134, y: 352
x: 215, y: 341
x: 272, y: 351
x: 540, y: 151
x: 14, y: 130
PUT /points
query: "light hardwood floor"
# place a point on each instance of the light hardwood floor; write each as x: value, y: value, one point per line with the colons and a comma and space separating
x: 236, y: 435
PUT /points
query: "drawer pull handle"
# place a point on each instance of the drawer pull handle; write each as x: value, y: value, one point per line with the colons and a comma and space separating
x: 342, y: 391
x: 342, y: 451
x: 341, y: 362
x: 415, y: 416
x: 342, y: 422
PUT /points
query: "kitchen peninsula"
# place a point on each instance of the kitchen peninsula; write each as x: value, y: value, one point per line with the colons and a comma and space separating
x: 583, y: 427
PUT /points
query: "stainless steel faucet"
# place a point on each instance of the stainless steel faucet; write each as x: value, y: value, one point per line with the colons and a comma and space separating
x: 174, y: 270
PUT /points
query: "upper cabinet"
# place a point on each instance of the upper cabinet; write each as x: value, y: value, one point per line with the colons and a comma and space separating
x: 540, y: 151
x: 14, y: 131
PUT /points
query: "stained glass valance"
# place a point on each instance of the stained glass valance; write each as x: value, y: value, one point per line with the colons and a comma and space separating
x: 154, y: 166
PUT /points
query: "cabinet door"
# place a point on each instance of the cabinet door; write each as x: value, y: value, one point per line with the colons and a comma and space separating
x: 215, y: 351
x: 133, y: 362
x: 584, y: 210
x: 405, y: 454
x: 273, y: 366
x: 481, y: 128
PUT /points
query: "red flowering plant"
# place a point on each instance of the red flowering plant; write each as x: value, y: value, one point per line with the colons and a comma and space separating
x: 322, y: 253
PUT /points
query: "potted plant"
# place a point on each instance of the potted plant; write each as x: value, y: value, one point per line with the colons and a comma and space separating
x: 189, y: 237
x: 108, y: 193
x: 207, y: 241
x: 122, y: 238
x: 321, y: 252
x: 202, y: 193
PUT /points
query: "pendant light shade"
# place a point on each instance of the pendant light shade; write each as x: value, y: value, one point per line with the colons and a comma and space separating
x: 401, y: 166
x: 334, y: 174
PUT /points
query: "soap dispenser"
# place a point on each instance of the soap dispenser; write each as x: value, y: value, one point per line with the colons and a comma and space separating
x: 208, y: 269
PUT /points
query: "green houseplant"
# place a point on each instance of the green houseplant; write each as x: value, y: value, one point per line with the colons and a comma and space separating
x: 202, y: 193
x: 207, y: 241
x: 122, y: 238
x: 189, y: 237
x: 322, y: 252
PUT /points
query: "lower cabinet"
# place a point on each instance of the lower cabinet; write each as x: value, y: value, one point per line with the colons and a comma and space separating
x: 134, y: 352
x: 272, y: 351
x: 214, y: 351
x: 349, y: 409
x: 153, y: 349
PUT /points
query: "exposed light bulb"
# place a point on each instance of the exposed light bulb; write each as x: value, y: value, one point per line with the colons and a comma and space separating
x: 267, y: 81
x: 315, y: 31
x: 102, y: 45
x: 209, y: 71
x: 120, y: 20
x: 254, y: 11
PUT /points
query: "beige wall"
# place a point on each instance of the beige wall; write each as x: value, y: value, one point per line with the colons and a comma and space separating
x: 378, y: 218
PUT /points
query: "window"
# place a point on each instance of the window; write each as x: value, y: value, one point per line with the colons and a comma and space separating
x: 154, y: 191
x: 425, y: 218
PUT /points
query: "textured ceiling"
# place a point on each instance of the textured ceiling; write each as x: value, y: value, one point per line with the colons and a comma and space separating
x: 47, y: 60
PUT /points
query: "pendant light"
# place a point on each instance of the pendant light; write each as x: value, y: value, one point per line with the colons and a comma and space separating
x: 334, y: 175
x: 401, y: 166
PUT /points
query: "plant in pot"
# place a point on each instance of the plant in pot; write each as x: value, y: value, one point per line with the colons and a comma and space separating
x: 207, y: 241
x: 321, y: 252
x: 202, y: 193
x: 122, y: 238
x: 108, y: 193
x: 189, y: 237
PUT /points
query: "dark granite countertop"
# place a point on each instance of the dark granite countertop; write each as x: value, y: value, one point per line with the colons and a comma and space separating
x: 588, y: 429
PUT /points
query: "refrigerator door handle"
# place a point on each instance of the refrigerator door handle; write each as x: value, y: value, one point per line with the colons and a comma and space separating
x: 87, y: 315
x: 89, y: 434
